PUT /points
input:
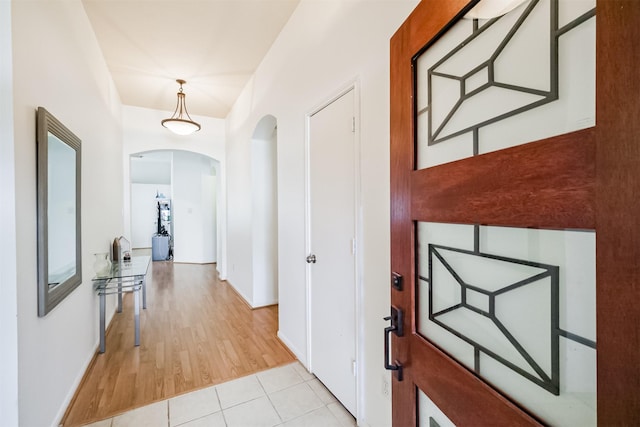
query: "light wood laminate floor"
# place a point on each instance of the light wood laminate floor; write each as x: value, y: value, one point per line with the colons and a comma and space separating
x: 196, y: 332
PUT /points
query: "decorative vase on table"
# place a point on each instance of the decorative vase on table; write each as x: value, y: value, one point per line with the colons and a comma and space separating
x: 102, y: 265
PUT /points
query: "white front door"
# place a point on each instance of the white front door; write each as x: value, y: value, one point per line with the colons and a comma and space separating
x: 332, y: 232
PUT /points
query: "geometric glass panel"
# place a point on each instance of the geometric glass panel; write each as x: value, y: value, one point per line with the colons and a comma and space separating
x: 517, y: 308
x: 475, y: 314
x: 429, y: 415
x: 491, y: 84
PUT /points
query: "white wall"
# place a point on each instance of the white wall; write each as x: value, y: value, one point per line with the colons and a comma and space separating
x: 143, y: 132
x: 193, y: 212
x: 146, y: 169
x: 57, y: 64
x: 8, y: 283
x: 208, y: 194
x: 324, y: 46
x: 239, y: 218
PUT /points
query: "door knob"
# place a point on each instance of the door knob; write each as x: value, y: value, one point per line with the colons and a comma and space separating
x: 311, y: 259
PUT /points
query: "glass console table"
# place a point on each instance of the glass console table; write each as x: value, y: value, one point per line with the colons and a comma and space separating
x: 129, y: 276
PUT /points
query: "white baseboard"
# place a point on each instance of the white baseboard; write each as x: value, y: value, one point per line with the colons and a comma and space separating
x: 300, y: 356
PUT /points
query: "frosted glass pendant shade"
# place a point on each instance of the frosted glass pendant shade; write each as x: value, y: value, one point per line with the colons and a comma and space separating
x: 181, y: 127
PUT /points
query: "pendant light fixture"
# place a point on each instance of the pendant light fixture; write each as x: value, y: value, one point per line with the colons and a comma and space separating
x: 489, y: 9
x: 180, y: 122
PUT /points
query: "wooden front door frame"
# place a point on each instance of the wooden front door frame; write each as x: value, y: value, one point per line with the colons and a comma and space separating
x: 613, y: 209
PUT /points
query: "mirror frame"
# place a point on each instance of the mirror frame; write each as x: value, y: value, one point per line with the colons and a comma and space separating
x: 46, y: 123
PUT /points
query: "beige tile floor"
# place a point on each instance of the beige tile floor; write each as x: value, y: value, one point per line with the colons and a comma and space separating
x: 287, y: 396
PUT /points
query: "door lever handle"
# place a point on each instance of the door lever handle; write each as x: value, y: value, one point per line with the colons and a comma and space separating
x: 311, y: 259
x: 397, y: 317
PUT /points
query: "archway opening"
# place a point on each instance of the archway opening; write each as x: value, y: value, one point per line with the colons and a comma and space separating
x: 264, y: 206
x: 186, y: 183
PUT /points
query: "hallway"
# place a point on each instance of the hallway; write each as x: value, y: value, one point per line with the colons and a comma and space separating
x: 196, y: 332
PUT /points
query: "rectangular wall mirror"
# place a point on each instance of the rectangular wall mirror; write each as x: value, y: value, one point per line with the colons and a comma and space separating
x: 59, y: 248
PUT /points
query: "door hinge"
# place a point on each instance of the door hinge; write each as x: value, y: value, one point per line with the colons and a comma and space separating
x: 353, y: 246
x: 353, y: 124
x: 354, y: 368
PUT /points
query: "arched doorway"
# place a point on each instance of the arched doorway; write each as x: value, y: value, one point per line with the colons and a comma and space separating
x: 264, y: 207
x: 190, y: 182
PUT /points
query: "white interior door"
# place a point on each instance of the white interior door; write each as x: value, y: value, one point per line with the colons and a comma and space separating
x: 332, y: 231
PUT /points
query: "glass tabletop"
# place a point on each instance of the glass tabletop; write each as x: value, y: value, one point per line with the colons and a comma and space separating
x: 138, y: 266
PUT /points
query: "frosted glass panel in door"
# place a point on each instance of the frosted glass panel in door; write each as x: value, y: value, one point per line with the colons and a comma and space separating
x: 429, y: 415
x: 488, y: 85
x: 517, y: 307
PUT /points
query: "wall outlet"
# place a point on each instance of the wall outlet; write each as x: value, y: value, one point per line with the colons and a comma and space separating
x: 386, y: 386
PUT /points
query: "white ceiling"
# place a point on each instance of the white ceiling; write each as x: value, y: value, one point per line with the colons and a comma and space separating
x: 150, y: 170
x: 215, y: 45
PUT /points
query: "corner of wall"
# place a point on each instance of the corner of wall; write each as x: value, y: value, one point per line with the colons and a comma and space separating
x: 292, y: 348
x: 8, y: 279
